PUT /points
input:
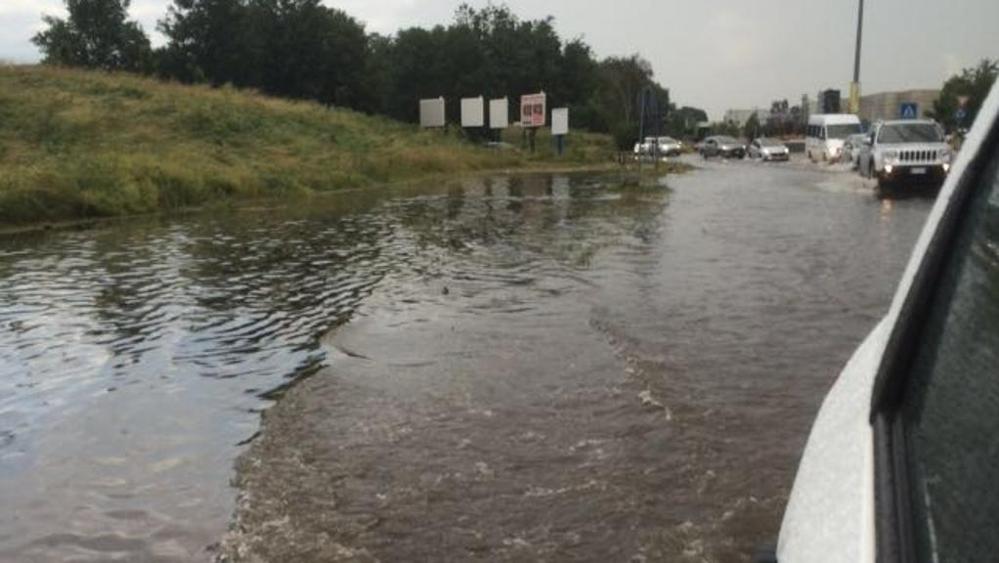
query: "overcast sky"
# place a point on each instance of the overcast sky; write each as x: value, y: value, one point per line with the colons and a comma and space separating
x: 716, y: 55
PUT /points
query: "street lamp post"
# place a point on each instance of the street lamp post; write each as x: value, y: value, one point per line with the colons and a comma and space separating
x: 855, y: 85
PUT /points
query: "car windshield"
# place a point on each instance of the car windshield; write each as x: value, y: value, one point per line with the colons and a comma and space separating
x: 910, y: 133
x: 769, y: 143
x: 842, y: 131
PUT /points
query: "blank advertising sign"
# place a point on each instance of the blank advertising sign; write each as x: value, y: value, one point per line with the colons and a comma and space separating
x: 560, y: 121
x: 499, y: 113
x: 473, y: 112
x: 532, y: 110
x: 432, y: 112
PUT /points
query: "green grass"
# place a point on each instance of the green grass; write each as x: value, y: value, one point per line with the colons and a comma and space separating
x: 80, y: 144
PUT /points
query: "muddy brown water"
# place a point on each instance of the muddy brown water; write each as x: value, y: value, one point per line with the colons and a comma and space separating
x: 508, y: 368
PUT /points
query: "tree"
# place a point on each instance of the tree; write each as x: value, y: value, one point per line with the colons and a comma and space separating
x: 290, y: 48
x: 97, y: 34
x: 974, y: 84
x: 621, y: 82
x: 683, y: 122
x: 302, y: 49
x: 490, y: 52
x: 207, y: 42
x: 726, y: 128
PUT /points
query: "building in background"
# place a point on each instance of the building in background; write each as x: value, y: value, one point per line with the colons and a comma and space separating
x: 888, y: 105
x: 739, y: 117
x: 828, y: 101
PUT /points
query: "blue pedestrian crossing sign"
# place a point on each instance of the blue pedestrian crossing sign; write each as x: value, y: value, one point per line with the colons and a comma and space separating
x: 909, y: 110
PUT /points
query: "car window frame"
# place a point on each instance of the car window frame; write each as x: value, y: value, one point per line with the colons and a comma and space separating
x: 894, y: 527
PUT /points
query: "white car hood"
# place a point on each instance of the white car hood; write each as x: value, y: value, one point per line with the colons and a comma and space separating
x: 830, y: 515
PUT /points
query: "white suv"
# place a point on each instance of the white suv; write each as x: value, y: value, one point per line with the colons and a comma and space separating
x: 911, y: 151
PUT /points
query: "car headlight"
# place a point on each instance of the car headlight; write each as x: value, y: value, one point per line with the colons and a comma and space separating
x: 889, y: 156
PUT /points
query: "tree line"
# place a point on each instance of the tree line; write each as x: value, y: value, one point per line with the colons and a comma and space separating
x: 305, y: 50
x: 963, y: 95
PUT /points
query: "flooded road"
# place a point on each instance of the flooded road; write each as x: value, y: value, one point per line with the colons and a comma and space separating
x: 511, y: 368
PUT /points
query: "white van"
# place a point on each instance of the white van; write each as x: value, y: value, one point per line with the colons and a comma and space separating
x: 826, y: 133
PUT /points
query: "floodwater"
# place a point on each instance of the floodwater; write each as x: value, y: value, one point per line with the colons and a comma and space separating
x: 508, y: 368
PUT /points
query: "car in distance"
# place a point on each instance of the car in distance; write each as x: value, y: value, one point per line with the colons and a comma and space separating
x: 723, y: 146
x: 852, y: 147
x: 669, y: 146
x: 666, y: 146
x: 900, y: 464
x: 826, y: 134
x: 768, y: 149
x: 909, y: 151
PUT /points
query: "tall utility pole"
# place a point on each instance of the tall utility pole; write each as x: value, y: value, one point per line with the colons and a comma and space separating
x: 855, y: 85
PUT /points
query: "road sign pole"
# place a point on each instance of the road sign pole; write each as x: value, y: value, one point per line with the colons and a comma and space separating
x: 855, y: 85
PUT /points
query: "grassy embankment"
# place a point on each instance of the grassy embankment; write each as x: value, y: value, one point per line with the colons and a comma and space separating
x: 78, y: 144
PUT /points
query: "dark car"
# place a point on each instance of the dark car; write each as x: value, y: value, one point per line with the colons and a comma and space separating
x: 723, y: 146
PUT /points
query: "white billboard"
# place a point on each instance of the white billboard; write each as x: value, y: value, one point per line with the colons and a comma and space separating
x: 533, y: 110
x: 499, y: 113
x: 560, y: 121
x: 432, y: 112
x: 473, y: 112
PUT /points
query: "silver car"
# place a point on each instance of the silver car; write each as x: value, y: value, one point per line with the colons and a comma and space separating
x: 723, y: 146
x: 768, y: 150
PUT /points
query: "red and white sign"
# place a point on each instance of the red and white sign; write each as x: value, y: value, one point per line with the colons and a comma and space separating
x: 533, y: 110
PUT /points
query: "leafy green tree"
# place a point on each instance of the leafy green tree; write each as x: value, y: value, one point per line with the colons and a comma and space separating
x: 302, y: 49
x: 487, y: 51
x: 97, y: 34
x: 621, y: 82
x: 207, y: 42
x: 290, y: 48
x: 683, y: 122
x: 973, y: 83
x: 726, y: 128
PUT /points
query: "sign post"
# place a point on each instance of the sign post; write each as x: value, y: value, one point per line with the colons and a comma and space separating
x: 908, y: 110
x: 533, y: 111
x: 473, y: 115
x: 499, y: 116
x: 432, y: 113
x: 560, y: 128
